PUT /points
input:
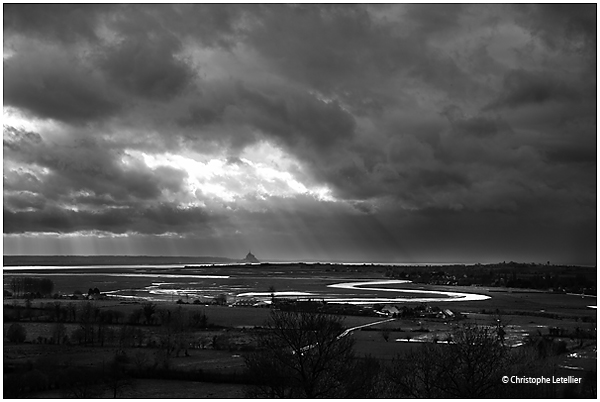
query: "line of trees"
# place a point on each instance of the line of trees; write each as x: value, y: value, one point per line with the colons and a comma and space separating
x: 97, y: 327
x: 517, y: 275
x: 22, y: 286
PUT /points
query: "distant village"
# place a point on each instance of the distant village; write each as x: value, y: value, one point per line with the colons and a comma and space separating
x: 420, y: 310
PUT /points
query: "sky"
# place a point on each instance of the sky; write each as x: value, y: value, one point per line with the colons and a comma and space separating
x: 367, y: 133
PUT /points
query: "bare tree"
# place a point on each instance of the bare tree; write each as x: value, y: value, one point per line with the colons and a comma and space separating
x: 303, y: 356
x: 126, y: 336
x: 116, y: 377
x: 174, y: 335
x: 385, y: 332
x: 149, y: 309
x: 140, y: 360
x: 59, y: 331
x: 272, y: 293
x: 220, y: 299
x: 16, y: 333
x: 470, y: 367
x: 87, y: 317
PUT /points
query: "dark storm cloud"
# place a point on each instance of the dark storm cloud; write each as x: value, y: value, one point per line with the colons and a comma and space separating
x: 170, y: 178
x: 327, y: 47
x: 299, y: 116
x: 147, y: 66
x: 572, y: 153
x: 54, y: 84
x: 293, y: 118
x: 438, y: 19
x: 64, y: 84
x: 65, y: 22
x: 438, y: 178
x: 90, y: 165
x: 443, y: 74
x: 19, y: 180
x: 320, y: 62
x: 414, y: 167
x: 573, y: 26
x: 214, y: 25
x: 93, y: 170
x: 478, y: 126
x: 156, y: 219
x: 164, y: 218
x: 24, y: 200
x: 527, y: 87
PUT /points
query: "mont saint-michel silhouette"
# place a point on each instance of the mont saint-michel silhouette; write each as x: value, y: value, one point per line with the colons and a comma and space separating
x: 250, y: 258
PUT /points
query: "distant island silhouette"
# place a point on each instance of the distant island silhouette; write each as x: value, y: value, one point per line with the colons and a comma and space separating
x: 250, y: 258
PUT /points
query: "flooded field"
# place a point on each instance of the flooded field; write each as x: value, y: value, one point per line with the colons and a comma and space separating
x: 160, y: 283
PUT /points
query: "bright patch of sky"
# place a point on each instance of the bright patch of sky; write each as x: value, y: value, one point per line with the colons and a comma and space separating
x: 261, y: 171
x: 12, y: 117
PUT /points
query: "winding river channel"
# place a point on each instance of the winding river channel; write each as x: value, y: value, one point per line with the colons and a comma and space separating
x: 369, y: 286
x: 449, y: 296
x: 168, y: 282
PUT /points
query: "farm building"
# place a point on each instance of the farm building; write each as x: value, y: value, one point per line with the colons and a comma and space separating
x: 390, y: 310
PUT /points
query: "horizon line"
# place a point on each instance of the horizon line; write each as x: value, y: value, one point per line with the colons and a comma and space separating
x: 275, y: 261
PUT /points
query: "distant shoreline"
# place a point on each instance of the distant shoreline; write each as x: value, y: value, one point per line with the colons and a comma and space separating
x: 190, y: 261
x: 68, y: 260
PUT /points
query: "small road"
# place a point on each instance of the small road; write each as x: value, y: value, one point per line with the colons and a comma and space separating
x: 346, y: 332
